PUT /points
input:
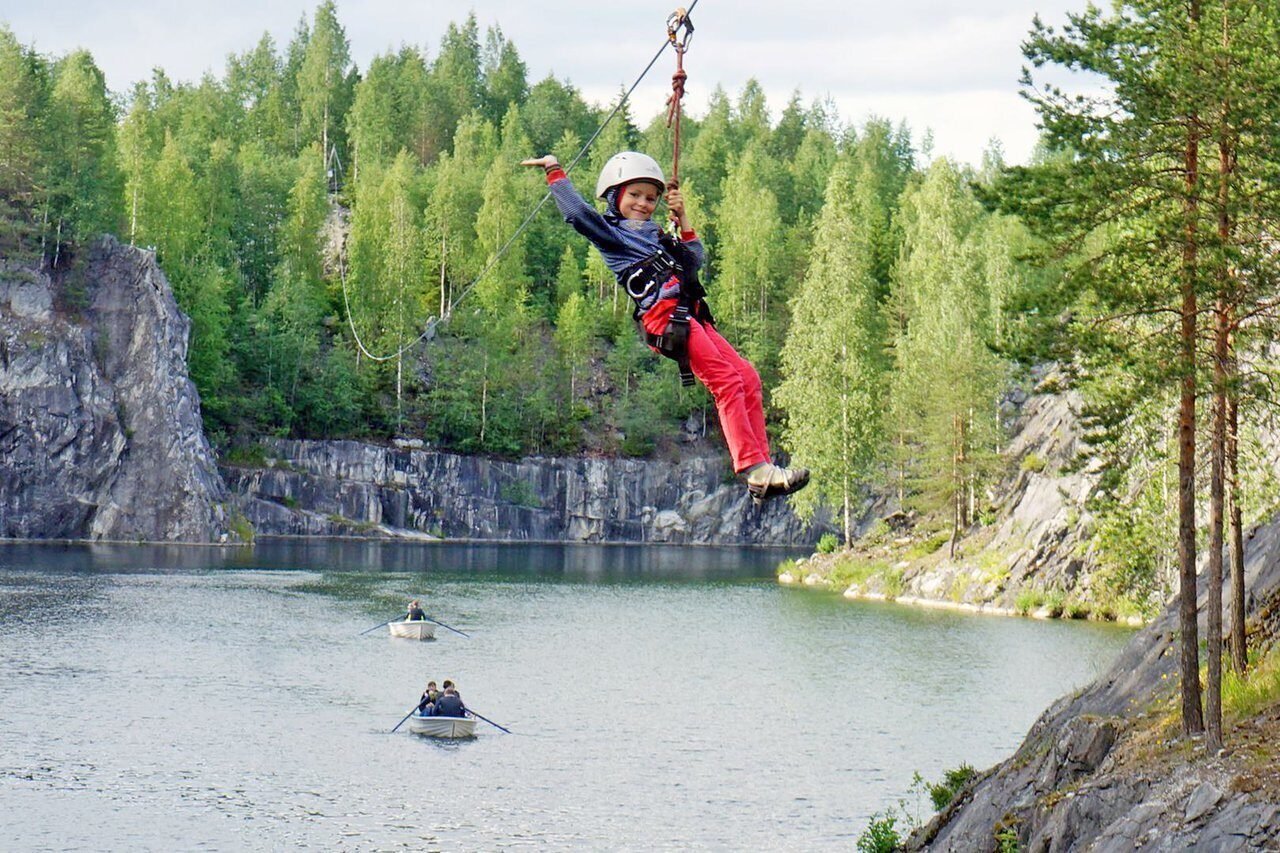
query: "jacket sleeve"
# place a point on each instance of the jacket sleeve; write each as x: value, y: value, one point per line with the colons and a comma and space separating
x: 695, y: 247
x: 581, y: 214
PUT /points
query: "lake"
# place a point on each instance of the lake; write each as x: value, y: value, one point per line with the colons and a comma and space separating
x: 160, y: 697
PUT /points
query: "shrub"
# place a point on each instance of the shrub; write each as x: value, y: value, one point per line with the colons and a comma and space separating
x: 942, y: 793
x: 880, y: 835
x: 1033, y: 462
x: 1028, y: 599
x: 828, y: 543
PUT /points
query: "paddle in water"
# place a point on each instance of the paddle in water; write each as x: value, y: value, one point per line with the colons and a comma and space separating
x: 405, y: 717
x: 376, y: 627
x: 481, y: 717
x: 450, y: 627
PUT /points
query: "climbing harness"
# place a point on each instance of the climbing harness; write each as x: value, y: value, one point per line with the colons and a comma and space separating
x: 434, y: 322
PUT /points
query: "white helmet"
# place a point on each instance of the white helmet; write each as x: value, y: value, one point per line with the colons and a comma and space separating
x: 628, y: 166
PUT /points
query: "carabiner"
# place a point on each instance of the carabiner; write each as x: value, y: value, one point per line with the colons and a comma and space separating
x: 679, y: 19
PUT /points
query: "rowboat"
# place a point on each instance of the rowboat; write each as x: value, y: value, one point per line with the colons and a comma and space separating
x: 442, y: 726
x: 416, y: 630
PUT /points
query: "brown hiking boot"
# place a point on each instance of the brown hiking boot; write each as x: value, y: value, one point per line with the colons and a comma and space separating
x: 769, y: 481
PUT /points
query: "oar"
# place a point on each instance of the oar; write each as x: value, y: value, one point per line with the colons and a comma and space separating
x: 483, y: 717
x: 406, y: 716
x: 376, y: 627
x: 450, y: 627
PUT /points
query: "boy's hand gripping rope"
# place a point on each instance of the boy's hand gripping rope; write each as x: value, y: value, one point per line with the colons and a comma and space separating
x: 677, y: 21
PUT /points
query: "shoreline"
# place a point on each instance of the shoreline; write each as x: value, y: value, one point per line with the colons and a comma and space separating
x: 978, y: 609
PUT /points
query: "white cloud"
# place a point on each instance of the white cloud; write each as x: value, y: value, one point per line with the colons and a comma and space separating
x: 944, y: 64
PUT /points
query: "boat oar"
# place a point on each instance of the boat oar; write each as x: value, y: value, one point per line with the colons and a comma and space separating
x: 376, y: 627
x: 406, y: 716
x: 450, y: 627
x: 483, y: 717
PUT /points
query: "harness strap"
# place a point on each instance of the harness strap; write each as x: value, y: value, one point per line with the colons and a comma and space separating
x: 674, y: 341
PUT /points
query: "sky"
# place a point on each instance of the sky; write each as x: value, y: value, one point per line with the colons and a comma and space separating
x: 946, y: 66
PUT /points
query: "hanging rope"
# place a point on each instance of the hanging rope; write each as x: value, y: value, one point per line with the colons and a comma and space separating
x: 679, y: 20
x: 434, y: 322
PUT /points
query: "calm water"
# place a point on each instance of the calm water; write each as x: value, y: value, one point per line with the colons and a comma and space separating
x: 168, y: 698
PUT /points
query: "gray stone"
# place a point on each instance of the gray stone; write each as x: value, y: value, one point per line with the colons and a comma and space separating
x: 350, y: 488
x: 100, y: 428
x: 1202, y: 800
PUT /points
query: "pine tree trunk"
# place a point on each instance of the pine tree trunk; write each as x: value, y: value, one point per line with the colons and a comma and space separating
x: 1239, y: 648
x: 1217, y: 466
x: 1189, y: 659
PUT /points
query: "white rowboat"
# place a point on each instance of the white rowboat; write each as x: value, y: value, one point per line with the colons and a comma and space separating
x: 442, y: 726
x: 417, y: 630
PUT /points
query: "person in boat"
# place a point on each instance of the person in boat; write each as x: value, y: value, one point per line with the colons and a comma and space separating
x: 416, y: 613
x: 427, y: 704
x: 660, y: 273
x: 450, y: 704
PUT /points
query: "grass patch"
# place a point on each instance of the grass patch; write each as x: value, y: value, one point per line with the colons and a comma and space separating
x: 1258, y: 689
x: 928, y: 546
x: 848, y: 571
x: 1028, y: 600
x: 1076, y: 609
x: 894, y: 585
x: 1033, y: 462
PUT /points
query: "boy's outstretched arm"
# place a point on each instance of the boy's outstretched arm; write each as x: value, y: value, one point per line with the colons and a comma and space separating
x: 575, y: 209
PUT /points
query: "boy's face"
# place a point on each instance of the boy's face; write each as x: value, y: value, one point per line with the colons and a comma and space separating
x: 638, y: 200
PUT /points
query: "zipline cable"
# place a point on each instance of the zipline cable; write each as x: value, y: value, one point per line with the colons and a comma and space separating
x: 434, y: 322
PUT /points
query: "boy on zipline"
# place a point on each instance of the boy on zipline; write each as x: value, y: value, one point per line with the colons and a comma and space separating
x: 660, y: 274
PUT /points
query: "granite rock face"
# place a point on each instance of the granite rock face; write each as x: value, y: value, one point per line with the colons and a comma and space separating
x: 351, y: 488
x: 100, y: 428
x: 1082, y: 779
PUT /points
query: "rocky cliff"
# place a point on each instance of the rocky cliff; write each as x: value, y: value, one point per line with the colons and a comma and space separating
x: 1104, y: 769
x: 100, y: 429
x: 349, y: 488
x: 1035, y: 546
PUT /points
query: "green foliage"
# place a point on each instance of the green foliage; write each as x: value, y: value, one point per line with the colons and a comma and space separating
x: 1028, y: 600
x: 880, y: 836
x: 1245, y: 696
x: 834, y: 373
x: 1032, y: 462
x: 928, y: 545
x: 520, y: 493
x: 828, y: 543
x: 1007, y: 840
x: 941, y: 793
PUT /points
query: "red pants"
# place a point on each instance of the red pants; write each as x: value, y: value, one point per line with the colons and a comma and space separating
x: 734, y: 385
